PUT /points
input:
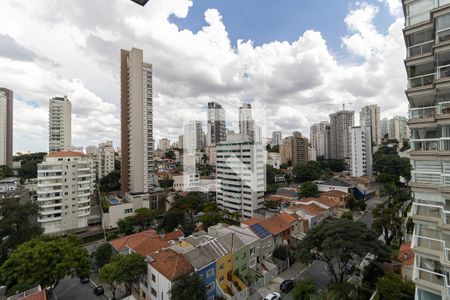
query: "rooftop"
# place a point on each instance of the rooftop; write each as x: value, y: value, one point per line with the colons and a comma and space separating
x: 336, y: 182
x: 322, y: 200
x: 252, y: 221
x: 144, y: 243
x: 334, y: 193
x: 65, y: 154
x: 406, y: 254
x: 170, y: 264
x: 276, y: 224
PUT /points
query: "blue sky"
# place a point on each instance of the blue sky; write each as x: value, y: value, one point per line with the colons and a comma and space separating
x: 264, y: 21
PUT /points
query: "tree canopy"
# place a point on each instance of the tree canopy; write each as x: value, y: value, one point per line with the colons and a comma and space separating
x: 110, y: 182
x: 388, y: 164
x: 103, y: 254
x: 17, y: 224
x: 337, y: 243
x: 307, y: 172
x: 45, y: 260
x: 392, y: 287
x: 188, y: 287
x: 309, y: 189
x: 5, y: 171
x: 304, y: 289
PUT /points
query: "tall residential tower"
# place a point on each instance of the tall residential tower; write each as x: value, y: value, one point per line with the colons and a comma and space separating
x: 6, y: 127
x: 59, y: 124
x: 137, y: 170
x: 216, y: 130
x: 340, y: 122
x: 370, y: 116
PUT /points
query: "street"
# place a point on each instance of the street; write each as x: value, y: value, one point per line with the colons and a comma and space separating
x: 71, y: 288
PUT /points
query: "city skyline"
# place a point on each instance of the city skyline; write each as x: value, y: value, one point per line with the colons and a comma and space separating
x: 298, y: 102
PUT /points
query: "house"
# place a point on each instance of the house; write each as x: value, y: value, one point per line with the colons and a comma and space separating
x: 279, y: 228
x: 203, y: 259
x: 406, y: 257
x: 324, y: 203
x: 163, y: 269
x: 287, y: 193
x: 312, y: 213
x: 337, y: 196
x: 335, y: 184
x: 11, y: 188
x: 36, y: 293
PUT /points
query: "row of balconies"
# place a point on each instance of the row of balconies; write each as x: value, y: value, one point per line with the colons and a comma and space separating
x: 424, y: 15
x: 430, y: 112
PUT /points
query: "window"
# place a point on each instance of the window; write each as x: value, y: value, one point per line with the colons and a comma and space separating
x: 128, y: 210
x: 210, y: 287
x: 210, y: 273
x: 252, y: 251
x: 153, y: 292
x: 153, y: 278
x: 221, y: 278
x: 252, y: 263
x: 221, y: 267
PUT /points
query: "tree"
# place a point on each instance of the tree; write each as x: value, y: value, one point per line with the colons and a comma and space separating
x: 210, y: 219
x: 386, y: 161
x: 29, y: 162
x: 339, y: 291
x: 169, y: 154
x: 144, y: 218
x: 280, y: 252
x: 45, y: 260
x: 271, y: 204
x: 309, y: 189
x: 5, y: 171
x: 188, y: 287
x: 103, y: 254
x: 16, y: 225
x: 304, y: 289
x: 392, y: 287
x: 171, y: 220
x: 337, y: 243
x: 347, y: 215
x: 109, y: 274
x: 307, y: 172
x: 127, y: 225
x: 110, y: 182
x: 275, y: 148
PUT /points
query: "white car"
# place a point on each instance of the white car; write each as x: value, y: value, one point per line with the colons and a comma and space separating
x: 273, y: 296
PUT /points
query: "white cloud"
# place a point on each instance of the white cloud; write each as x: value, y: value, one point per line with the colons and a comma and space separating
x: 299, y: 82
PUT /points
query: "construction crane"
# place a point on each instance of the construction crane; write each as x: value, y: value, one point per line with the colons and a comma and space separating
x: 344, y: 103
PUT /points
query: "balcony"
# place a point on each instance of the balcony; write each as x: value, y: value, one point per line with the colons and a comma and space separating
x: 421, y: 80
x: 422, y: 112
x: 425, y: 144
x: 427, y: 212
x: 420, y: 49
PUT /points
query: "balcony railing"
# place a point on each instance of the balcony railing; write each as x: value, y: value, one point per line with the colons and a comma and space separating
x: 443, y: 71
x: 421, y: 80
x: 425, y: 144
x: 420, y: 49
x: 431, y: 244
x: 432, y: 277
x: 422, y: 112
x: 428, y: 211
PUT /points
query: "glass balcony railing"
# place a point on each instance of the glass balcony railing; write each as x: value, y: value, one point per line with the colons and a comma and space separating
x: 443, y: 71
x: 425, y: 144
x: 421, y: 80
x: 432, y: 277
x: 420, y: 49
x: 428, y: 211
x: 422, y: 112
x: 429, y: 244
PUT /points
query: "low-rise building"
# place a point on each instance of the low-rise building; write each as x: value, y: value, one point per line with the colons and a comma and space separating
x: 10, y: 188
x: 118, y: 208
x: 337, y: 196
x: 335, y: 184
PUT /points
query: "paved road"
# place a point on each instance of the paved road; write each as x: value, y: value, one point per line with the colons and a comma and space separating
x: 71, y: 289
x: 367, y: 216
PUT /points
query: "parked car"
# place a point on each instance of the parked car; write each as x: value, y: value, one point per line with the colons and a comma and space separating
x: 273, y: 296
x: 287, y: 285
x: 84, y: 280
x: 99, y: 290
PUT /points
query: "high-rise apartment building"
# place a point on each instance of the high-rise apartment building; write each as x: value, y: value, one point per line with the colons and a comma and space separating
x: 398, y: 128
x: 240, y: 174
x: 370, y: 116
x: 320, y: 138
x: 137, y: 171
x: 361, y: 151
x: 106, y: 156
x: 164, y: 144
x: 277, y: 138
x: 65, y: 186
x: 286, y: 150
x: 216, y: 130
x: 299, y: 149
x: 246, y: 122
x: 340, y: 122
x: 427, y: 32
x: 193, y: 136
x: 60, y: 124
x: 6, y: 127
x: 384, y: 125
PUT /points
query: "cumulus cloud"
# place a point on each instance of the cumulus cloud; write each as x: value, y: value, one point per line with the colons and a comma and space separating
x: 298, y: 82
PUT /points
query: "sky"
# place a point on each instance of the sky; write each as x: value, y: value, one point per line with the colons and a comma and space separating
x: 296, y: 60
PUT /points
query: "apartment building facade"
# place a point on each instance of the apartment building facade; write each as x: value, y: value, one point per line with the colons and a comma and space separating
x: 59, y: 124
x: 426, y: 33
x: 6, y: 127
x: 340, y: 122
x: 216, y: 129
x: 277, y: 138
x: 361, y: 151
x: 370, y: 116
x: 65, y: 186
x: 320, y: 138
x: 137, y: 171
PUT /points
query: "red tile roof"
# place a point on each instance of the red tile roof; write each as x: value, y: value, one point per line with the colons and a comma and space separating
x: 406, y: 254
x: 275, y: 225
x: 325, y: 201
x: 174, y: 235
x: 335, y: 193
x: 149, y: 246
x: 311, y: 209
x: 170, y: 264
x: 252, y: 221
x: 65, y: 154
x: 120, y: 243
x: 288, y: 217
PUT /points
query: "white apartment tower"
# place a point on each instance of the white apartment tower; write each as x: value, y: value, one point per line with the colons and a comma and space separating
x: 216, y: 130
x: 398, y: 127
x: 193, y: 136
x: 106, y: 157
x: 60, y: 124
x: 427, y: 32
x: 240, y: 174
x: 277, y: 138
x: 384, y: 125
x: 137, y: 171
x: 6, y: 127
x: 246, y: 122
x: 370, y: 116
x: 164, y: 144
x: 65, y: 186
x: 361, y: 151
x: 320, y: 139
x: 340, y: 122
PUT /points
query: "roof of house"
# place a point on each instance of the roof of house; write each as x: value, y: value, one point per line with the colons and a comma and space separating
x: 230, y: 241
x: 65, y: 154
x: 311, y: 209
x: 336, y: 182
x: 406, y: 254
x: 252, y: 221
x: 174, y: 235
x: 148, y: 246
x: 170, y: 264
x: 325, y: 201
x: 120, y: 243
x: 275, y: 224
x: 335, y: 193
x: 201, y: 256
x: 198, y: 238
x: 288, y: 218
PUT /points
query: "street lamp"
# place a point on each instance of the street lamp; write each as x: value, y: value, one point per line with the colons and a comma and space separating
x: 140, y: 2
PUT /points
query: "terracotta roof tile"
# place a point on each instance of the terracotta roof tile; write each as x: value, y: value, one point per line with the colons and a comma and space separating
x: 325, y: 201
x: 65, y: 154
x: 252, y: 221
x: 120, y: 243
x: 288, y: 218
x: 275, y: 225
x: 406, y: 254
x: 174, y: 235
x: 334, y: 193
x: 148, y: 246
x: 171, y: 264
x: 311, y: 209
